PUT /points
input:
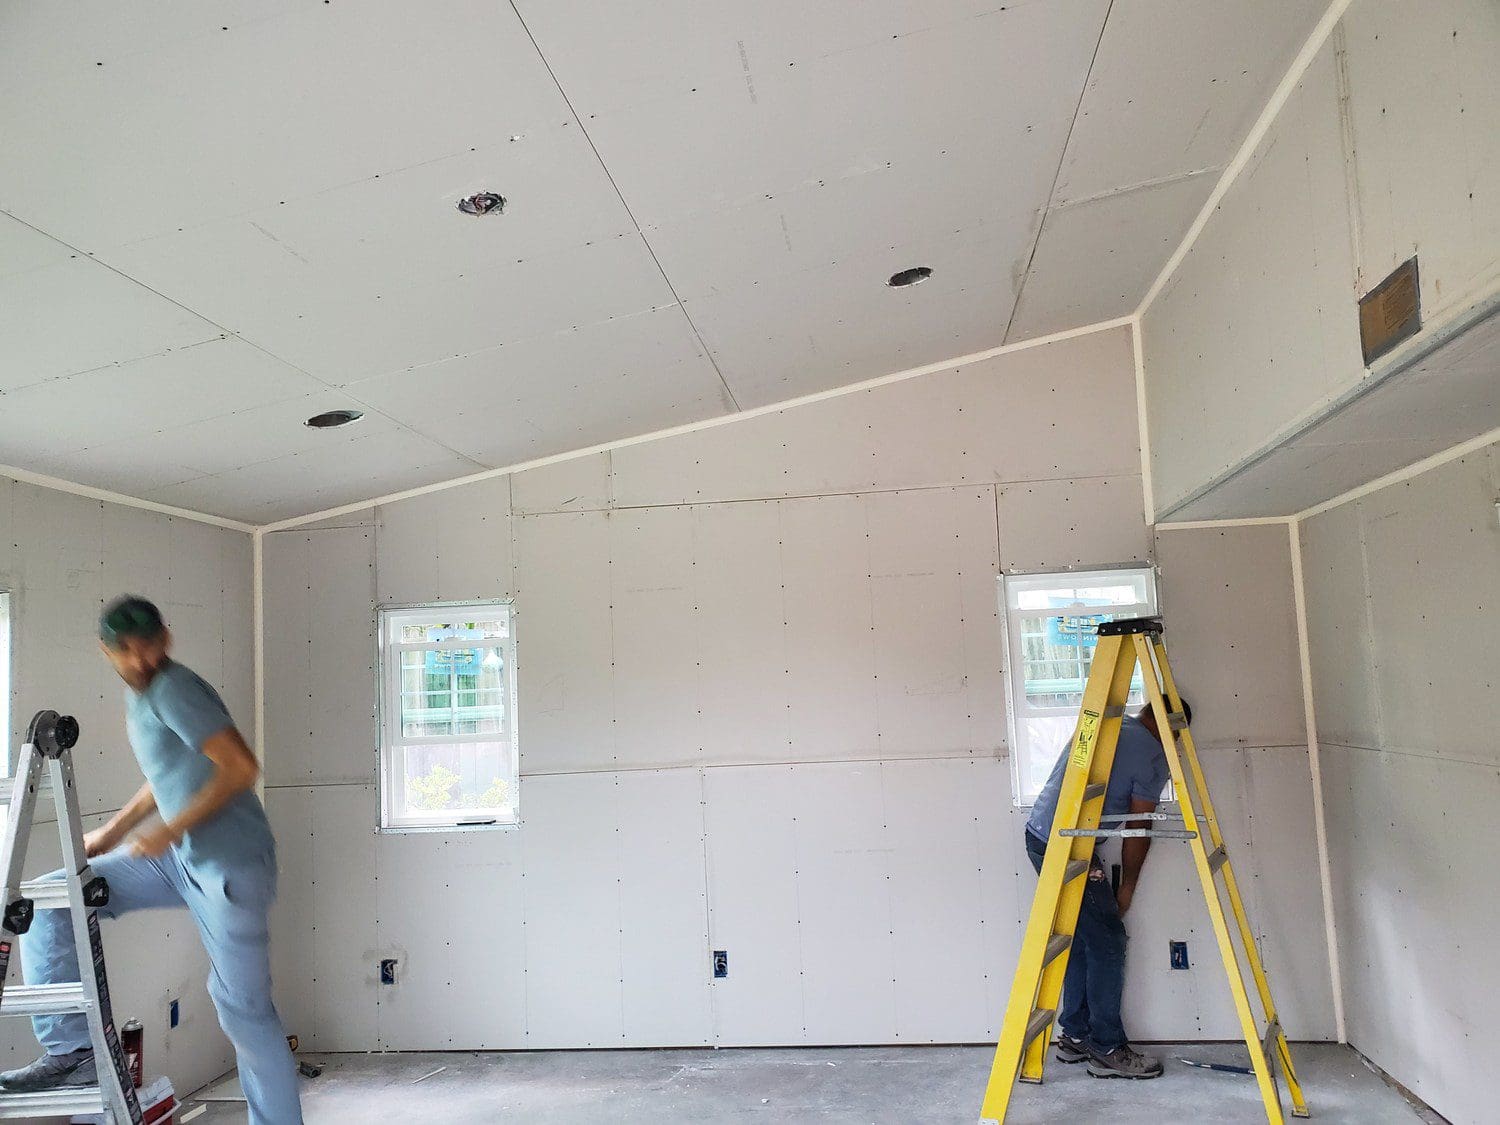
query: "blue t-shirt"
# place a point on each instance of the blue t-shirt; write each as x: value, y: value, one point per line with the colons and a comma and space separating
x: 168, y: 724
x: 1139, y: 770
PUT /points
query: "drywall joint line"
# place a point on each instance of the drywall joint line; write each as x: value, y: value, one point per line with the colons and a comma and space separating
x: 1062, y: 159
x: 639, y: 230
x: 1279, y: 97
x: 707, y: 423
x: 1310, y: 718
x: 1472, y: 313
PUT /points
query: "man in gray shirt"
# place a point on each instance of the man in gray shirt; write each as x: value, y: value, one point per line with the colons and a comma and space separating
x: 1091, y: 1030
x: 211, y: 851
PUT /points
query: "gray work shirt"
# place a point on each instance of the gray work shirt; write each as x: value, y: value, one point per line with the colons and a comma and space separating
x: 1139, y: 770
x: 168, y: 724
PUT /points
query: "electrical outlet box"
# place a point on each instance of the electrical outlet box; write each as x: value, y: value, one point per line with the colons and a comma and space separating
x: 174, y: 1014
x: 388, y: 970
x: 1179, y: 955
x: 721, y: 964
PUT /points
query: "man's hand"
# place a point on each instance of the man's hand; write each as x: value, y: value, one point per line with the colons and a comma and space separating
x: 100, y: 841
x: 153, y: 842
x: 1124, y: 896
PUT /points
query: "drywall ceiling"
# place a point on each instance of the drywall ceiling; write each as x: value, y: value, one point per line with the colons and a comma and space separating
x: 1406, y: 411
x: 217, y: 220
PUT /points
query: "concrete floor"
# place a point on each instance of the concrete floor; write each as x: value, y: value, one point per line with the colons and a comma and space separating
x: 862, y: 1084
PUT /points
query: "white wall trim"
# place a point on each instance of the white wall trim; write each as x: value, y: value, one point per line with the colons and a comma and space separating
x: 1325, y: 873
x: 1246, y: 521
x: 707, y: 423
x: 1143, y: 427
x: 258, y: 634
x: 57, y: 484
x: 1247, y: 148
x: 1415, y: 469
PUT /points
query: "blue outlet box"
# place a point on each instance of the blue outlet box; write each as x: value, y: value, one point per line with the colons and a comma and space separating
x: 1179, y: 955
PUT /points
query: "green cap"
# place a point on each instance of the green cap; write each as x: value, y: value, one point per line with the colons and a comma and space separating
x: 129, y: 616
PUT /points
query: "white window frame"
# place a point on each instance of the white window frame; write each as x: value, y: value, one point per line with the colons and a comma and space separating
x: 1017, y: 707
x: 392, y: 741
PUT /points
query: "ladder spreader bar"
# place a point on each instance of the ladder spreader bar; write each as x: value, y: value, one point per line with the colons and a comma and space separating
x: 1268, y: 1040
x: 1131, y: 833
x: 1177, y: 720
x: 1115, y: 712
x: 1075, y: 868
x: 1094, y: 792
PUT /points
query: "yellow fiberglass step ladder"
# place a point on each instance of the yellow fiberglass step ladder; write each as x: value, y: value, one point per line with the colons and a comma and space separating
x: 48, y: 751
x: 1123, y: 646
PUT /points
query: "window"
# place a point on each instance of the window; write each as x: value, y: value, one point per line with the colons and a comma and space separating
x: 1050, y: 623
x: 447, y: 716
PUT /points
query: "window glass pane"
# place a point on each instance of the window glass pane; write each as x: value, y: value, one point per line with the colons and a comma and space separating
x: 473, y: 777
x: 497, y: 628
x: 452, y: 691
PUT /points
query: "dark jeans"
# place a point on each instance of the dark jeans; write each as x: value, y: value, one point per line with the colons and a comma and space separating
x: 1095, y: 980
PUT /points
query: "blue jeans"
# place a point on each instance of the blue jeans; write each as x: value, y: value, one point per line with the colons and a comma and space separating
x: 230, y: 910
x: 1095, y: 981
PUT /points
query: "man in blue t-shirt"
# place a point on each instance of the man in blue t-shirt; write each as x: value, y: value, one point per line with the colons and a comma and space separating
x: 1091, y: 1030
x: 211, y: 851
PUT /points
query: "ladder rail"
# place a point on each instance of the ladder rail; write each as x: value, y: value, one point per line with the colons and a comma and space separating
x: 114, y: 1071
x: 1064, y: 873
x: 1231, y: 884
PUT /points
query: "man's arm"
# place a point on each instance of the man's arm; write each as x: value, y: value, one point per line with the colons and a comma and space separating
x: 1133, y: 851
x: 107, y: 837
x: 235, y: 771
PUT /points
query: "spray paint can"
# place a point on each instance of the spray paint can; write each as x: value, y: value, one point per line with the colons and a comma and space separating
x: 132, y: 1042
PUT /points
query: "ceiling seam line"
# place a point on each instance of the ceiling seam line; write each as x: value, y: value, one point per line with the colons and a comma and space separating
x: 630, y: 213
x: 227, y: 334
x: 1057, y: 176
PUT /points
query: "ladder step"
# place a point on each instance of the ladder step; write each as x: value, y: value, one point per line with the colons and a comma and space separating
x: 1055, y: 945
x: 44, y: 999
x: 1040, y: 1020
x: 1094, y: 792
x: 1075, y: 868
x: 62, y: 1102
x: 1217, y: 859
x: 47, y: 894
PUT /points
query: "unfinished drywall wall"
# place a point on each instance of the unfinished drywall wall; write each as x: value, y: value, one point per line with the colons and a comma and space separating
x: 762, y: 705
x: 1388, y: 147
x: 61, y: 557
x: 1403, y: 593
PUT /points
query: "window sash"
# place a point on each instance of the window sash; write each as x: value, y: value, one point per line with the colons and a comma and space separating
x: 1021, y: 624
x: 395, y: 743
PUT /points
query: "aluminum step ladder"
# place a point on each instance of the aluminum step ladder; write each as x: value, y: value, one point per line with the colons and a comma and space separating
x: 1037, y: 989
x: 47, y: 755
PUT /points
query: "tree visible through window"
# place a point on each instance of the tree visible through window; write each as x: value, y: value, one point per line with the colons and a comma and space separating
x: 448, y: 690
x: 1051, y: 622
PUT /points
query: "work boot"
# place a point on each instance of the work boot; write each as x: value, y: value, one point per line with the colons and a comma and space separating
x: 1070, y: 1050
x: 1123, y: 1062
x: 50, y: 1072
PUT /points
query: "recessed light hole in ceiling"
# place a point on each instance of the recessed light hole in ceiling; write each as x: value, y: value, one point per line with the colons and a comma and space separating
x: 909, y: 277
x: 333, y: 418
x: 483, y: 203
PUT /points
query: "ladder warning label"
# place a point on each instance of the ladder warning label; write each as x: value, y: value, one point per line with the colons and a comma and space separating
x: 1088, y: 730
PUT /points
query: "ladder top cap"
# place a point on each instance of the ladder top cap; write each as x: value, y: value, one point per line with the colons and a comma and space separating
x: 1130, y: 625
